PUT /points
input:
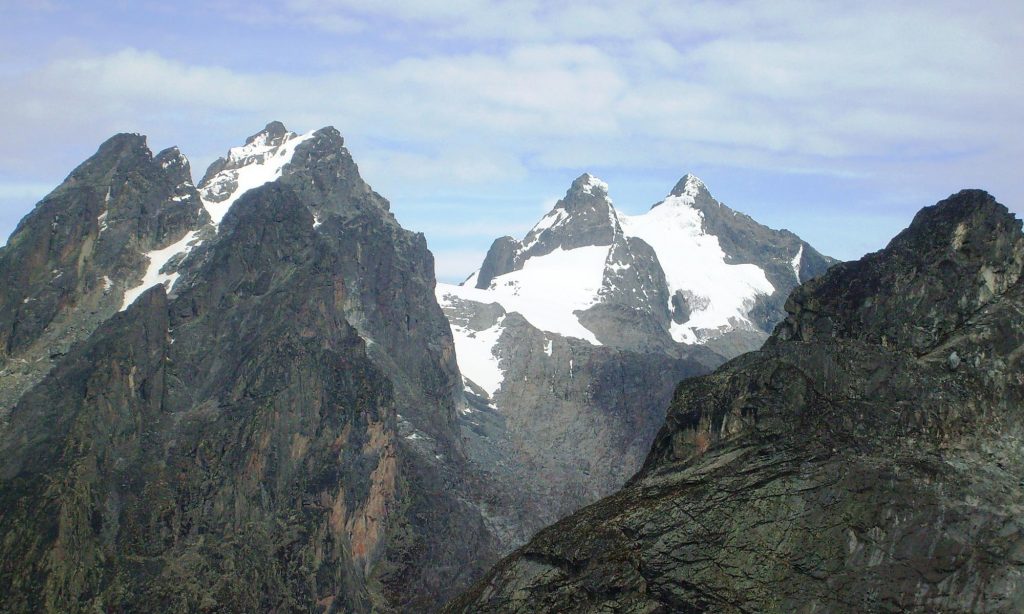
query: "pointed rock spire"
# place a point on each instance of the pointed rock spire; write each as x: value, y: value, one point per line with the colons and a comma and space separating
x: 690, y: 185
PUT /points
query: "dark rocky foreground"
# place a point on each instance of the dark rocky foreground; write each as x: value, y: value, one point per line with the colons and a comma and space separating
x: 869, y: 458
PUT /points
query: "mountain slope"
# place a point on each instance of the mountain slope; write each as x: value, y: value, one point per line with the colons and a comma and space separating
x: 68, y: 264
x: 571, y: 340
x: 868, y: 458
x: 269, y: 425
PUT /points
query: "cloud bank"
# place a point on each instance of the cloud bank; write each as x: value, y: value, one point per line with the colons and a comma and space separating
x: 484, y: 100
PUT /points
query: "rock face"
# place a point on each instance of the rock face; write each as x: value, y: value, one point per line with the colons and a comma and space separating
x: 572, y: 340
x: 69, y: 263
x: 869, y: 458
x: 269, y: 425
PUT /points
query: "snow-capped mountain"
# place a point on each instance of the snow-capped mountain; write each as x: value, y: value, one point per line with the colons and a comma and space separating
x: 251, y: 374
x: 690, y: 271
x: 264, y: 158
x: 571, y: 340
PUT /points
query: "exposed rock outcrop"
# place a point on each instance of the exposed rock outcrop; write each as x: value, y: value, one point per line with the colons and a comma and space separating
x: 70, y: 261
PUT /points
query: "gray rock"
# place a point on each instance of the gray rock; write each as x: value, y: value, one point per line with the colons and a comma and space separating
x: 253, y: 430
x: 67, y: 265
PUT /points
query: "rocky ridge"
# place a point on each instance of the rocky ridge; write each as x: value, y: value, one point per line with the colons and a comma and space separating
x: 868, y: 458
x: 67, y: 266
x: 268, y: 425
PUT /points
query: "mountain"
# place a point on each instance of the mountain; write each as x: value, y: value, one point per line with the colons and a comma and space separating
x: 867, y: 459
x: 571, y: 341
x: 66, y: 267
x: 256, y: 409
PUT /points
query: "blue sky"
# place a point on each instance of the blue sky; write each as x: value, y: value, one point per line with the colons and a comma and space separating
x: 473, y: 116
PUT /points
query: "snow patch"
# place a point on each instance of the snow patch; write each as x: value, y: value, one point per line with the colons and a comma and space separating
x: 474, y: 351
x: 694, y: 263
x: 797, y: 261
x: 548, y: 347
x: 102, y: 219
x: 692, y: 188
x: 260, y: 163
x: 158, y: 259
x: 552, y: 219
x: 547, y: 290
x: 590, y: 183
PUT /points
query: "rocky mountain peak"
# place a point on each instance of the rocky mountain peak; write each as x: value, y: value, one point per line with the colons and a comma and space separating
x: 584, y: 217
x: 260, y: 160
x: 690, y: 191
x: 124, y: 143
x: 953, y: 259
x: 274, y: 133
x: 690, y: 185
x: 176, y: 164
x: 319, y: 158
x: 70, y: 260
x: 588, y: 184
x: 586, y: 192
x: 301, y: 320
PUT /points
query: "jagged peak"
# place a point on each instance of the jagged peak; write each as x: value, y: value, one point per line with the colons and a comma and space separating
x: 954, y: 258
x: 172, y: 156
x: 328, y: 132
x: 261, y: 160
x: 688, y: 192
x: 585, y: 193
x: 589, y: 183
x: 125, y: 141
x: 261, y: 143
x: 273, y: 130
x: 690, y: 185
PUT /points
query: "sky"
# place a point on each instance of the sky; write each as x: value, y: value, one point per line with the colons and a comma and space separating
x: 837, y: 121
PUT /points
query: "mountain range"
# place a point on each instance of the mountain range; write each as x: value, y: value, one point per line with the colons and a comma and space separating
x: 867, y: 459
x: 249, y: 393
x: 571, y: 340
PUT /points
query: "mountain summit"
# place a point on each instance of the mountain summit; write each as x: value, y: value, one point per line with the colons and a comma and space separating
x: 703, y: 273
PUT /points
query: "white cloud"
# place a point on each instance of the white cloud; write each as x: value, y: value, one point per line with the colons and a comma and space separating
x: 491, y: 91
